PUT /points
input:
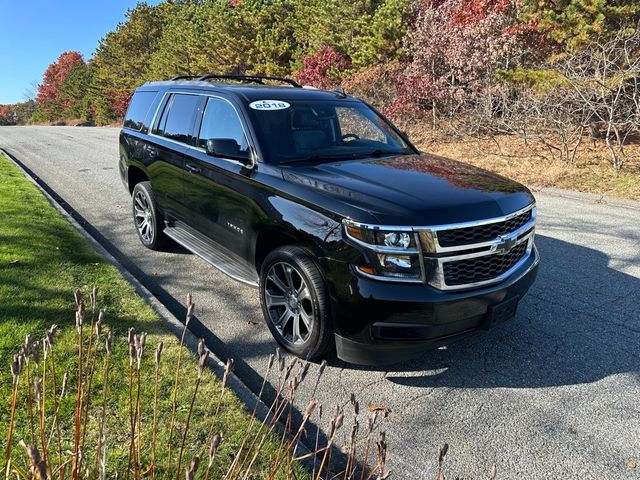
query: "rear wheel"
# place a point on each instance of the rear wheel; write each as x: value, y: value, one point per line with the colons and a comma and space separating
x: 146, y: 217
x: 294, y: 302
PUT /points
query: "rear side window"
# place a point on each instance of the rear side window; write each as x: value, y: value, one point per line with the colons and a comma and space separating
x: 138, y: 114
x: 177, y: 118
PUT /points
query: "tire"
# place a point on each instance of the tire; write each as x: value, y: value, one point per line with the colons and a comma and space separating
x: 146, y: 217
x: 315, y: 328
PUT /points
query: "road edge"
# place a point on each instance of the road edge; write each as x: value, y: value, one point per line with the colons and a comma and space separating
x: 594, y: 198
x: 175, y: 326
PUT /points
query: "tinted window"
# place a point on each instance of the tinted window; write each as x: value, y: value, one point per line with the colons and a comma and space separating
x: 138, y: 110
x: 177, y: 119
x: 318, y: 130
x: 354, y: 125
x: 220, y: 120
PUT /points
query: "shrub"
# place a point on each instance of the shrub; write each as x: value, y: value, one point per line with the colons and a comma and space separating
x: 8, y: 115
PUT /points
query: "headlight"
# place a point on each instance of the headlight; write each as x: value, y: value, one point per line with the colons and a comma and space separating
x: 397, y: 239
x: 393, y: 255
x: 380, y: 238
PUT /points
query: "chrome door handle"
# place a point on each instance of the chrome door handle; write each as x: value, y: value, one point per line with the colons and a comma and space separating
x: 152, y: 153
x: 192, y: 168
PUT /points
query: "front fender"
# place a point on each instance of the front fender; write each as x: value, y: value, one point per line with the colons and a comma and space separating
x: 298, y: 222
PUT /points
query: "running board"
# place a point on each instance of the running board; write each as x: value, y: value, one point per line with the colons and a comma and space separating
x: 220, y: 257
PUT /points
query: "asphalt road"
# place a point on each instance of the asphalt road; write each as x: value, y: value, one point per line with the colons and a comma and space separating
x: 552, y: 395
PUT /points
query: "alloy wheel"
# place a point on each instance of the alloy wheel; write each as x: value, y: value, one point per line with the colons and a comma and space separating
x: 288, y: 300
x: 143, y: 216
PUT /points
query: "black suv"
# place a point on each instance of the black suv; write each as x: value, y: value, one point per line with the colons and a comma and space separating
x: 353, y: 237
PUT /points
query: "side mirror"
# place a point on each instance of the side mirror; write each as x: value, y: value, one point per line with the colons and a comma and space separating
x: 227, y: 148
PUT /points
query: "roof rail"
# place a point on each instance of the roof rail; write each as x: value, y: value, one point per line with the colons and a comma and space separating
x: 184, y: 77
x: 249, y: 78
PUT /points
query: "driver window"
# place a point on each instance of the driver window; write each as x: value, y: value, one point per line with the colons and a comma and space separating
x: 355, y: 126
x: 220, y: 120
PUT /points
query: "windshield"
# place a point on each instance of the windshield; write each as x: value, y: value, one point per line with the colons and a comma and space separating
x: 318, y: 130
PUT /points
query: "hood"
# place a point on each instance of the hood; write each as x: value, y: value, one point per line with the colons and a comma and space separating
x: 414, y: 189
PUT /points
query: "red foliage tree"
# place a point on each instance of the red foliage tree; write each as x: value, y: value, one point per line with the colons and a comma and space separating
x: 323, y: 69
x: 456, y: 48
x: 7, y: 115
x: 119, y: 101
x: 55, y: 74
x: 474, y: 11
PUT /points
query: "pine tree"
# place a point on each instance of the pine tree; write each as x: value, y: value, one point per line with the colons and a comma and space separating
x: 330, y: 23
x: 123, y: 56
x: 73, y: 92
x: 576, y: 22
x: 383, y: 34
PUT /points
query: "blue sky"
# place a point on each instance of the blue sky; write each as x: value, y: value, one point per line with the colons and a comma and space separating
x: 34, y: 32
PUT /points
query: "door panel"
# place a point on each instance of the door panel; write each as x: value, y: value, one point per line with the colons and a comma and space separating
x: 167, y: 175
x: 217, y: 208
x: 215, y: 187
x: 167, y: 155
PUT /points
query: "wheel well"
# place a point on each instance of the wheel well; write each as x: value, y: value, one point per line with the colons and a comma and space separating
x: 268, y: 241
x: 135, y: 176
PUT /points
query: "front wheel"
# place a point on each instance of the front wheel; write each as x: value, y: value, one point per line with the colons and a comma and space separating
x: 295, y: 302
x: 147, y: 219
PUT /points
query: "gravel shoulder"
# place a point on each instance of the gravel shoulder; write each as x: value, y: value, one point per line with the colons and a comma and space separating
x: 553, y: 394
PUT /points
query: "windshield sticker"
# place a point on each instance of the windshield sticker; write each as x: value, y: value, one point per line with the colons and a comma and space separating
x: 269, y: 105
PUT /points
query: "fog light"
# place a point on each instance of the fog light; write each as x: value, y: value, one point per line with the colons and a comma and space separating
x: 400, y: 261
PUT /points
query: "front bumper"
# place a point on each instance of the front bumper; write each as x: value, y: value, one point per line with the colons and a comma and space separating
x: 379, y: 323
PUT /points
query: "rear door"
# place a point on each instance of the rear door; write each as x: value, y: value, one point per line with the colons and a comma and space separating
x: 133, y: 136
x: 167, y: 156
x: 216, y: 189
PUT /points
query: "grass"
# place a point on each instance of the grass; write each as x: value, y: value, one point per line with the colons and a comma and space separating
x: 42, y: 261
x: 509, y: 156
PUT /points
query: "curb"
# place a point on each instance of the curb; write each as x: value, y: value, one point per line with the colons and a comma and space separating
x: 587, y: 197
x: 175, y: 326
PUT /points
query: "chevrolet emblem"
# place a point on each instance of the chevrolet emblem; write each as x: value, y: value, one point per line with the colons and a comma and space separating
x: 505, y: 245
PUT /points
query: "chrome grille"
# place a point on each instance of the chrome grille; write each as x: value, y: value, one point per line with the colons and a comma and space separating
x: 481, y: 233
x: 480, y: 269
x: 475, y: 254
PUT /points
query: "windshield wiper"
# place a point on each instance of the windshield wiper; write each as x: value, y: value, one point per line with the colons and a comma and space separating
x: 315, y: 158
x: 352, y: 156
x: 377, y: 153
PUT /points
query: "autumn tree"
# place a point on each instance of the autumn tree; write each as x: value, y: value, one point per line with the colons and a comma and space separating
x: 475, y: 39
x: 452, y: 59
x: 7, y: 115
x: 323, y: 69
x: 49, y: 96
